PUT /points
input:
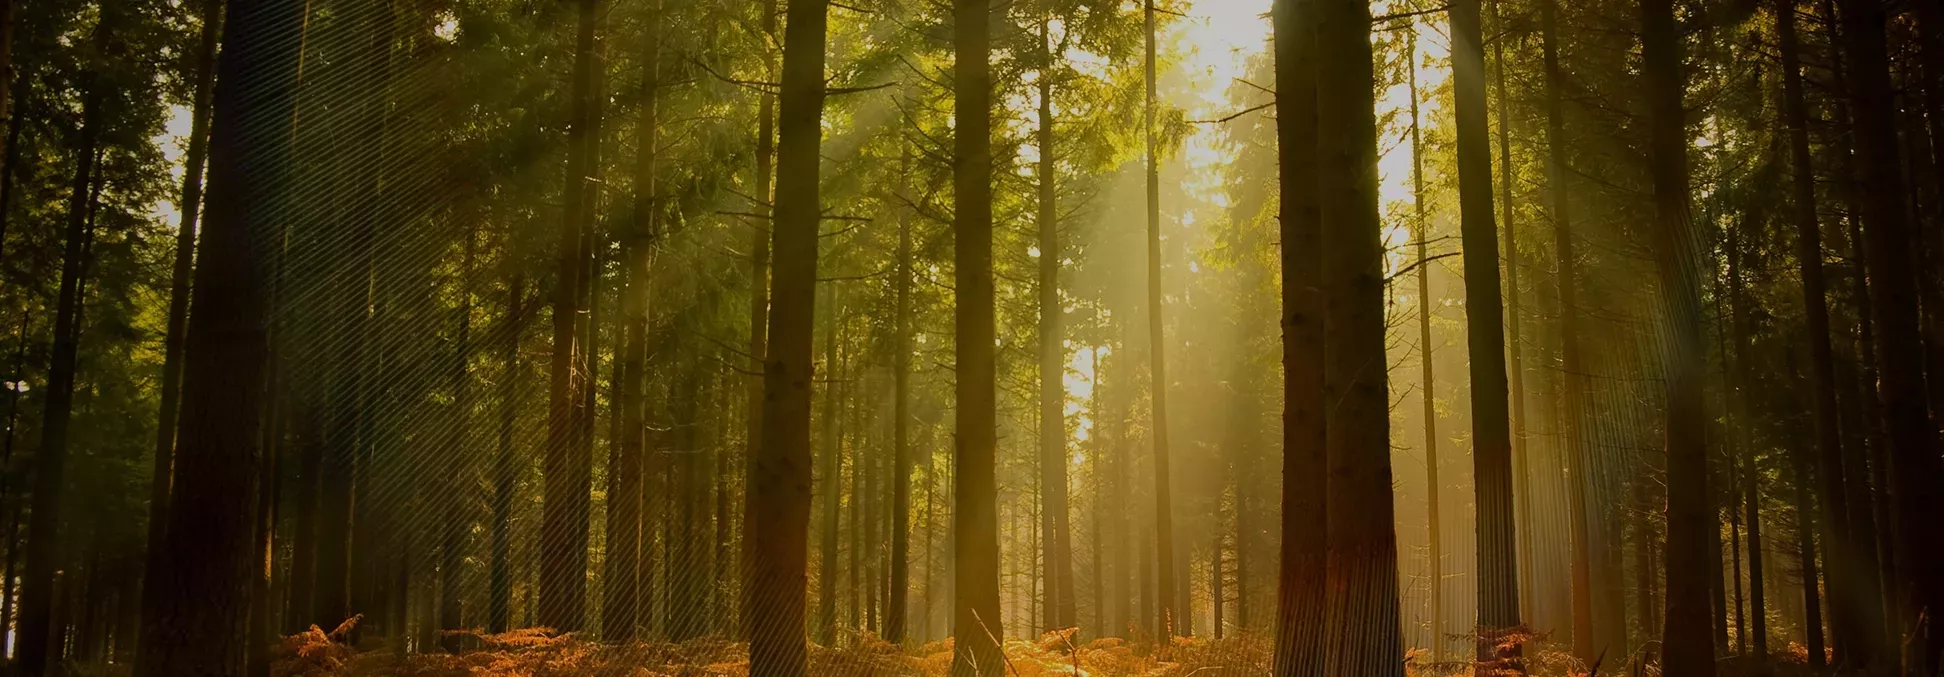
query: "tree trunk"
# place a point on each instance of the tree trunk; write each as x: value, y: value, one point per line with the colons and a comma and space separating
x: 1056, y: 544
x: 1427, y: 392
x: 499, y: 594
x: 898, y: 599
x: 759, y: 300
x: 1492, y: 428
x: 1889, y: 240
x: 1300, y: 581
x: 1685, y: 643
x: 1157, y: 352
x: 184, y: 268
x: 1839, y: 549
x: 1805, y: 517
x: 621, y: 610
x: 976, y: 515
x: 830, y: 482
x: 1571, y: 386
x: 779, y: 517
x: 204, y: 584
x: 1521, y: 482
x: 1361, y: 569
x: 39, y: 643
x: 566, y: 470
x: 460, y: 481
x: 1738, y: 377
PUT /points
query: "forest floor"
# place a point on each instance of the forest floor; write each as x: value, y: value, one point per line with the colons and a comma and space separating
x: 542, y: 653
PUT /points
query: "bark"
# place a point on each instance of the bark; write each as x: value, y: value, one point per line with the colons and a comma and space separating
x: 1739, y: 378
x: 1571, y: 385
x: 779, y: 518
x: 759, y: 300
x: 1056, y: 538
x: 198, y: 623
x: 567, y: 471
x: 1805, y: 537
x: 1300, y: 580
x: 1492, y: 428
x: 898, y: 599
x: 976, y: 530
x: 1889, y: 240
x: 1839, y: 549
x: 830, y: 481
x: 1685, y: 643
x: 1363, y: 635
x: 499, y: 586
x: 460, y: 482
x: 184, y: 269
x: 1427, y: 393
x: 39, y: 641
x: 621, y: 609
x: 1521, y: 482
x: 1157, y: 354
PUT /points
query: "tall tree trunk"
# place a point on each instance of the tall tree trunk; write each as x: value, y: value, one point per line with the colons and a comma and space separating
x: 38, y: 642
x: 1838, y: 546
x: 1515, y: 340
x: 184, y: 268
x: 1571, y: 385
x: 1157, y: 353
x: 1056, y: 543
x: 499, y: 586
x: 759, y: 301
x: 1805, y: 517
x: 1492, y: 428
x: 830, y: 482
x: 1434, y: 561
x: 1361, y: 569
x: 1737, y: 326
x: 621, y: 609
x: 460, y: 481
x: 1685, y: 641
x: 204, y: 584
x: 898, y: 599
x: 779, y: 517
x: 1889, y: 240
x: 566, y: 470
x: 1300, y: 581
x: 976, y: 513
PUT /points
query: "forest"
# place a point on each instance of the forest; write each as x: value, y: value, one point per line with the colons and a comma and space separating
x: 981, y: 338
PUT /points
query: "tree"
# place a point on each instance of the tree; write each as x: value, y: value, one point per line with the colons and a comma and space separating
x: 1684, y: 641
x: 976, y: 520
x: 1300, y: 597
x: 1434, y: 527
x: 779, y: 521
x: 1054, y: 530
x: 567, y: 469
x: 201, y: 604
x: 1168, y: 622
x: 1361, y: 564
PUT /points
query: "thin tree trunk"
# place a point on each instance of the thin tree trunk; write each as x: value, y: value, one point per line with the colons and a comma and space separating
x: 1361, y: 569
x: 184, y: 267
x: 1571, y: 384
x: 779, y: 517
x: 460, y: 481
x: 1685, y: 644
x: 830, y: 483
x: 38, y: 641
x: 621, y: 609
x: 1738, y: 377
x: 1521, y: 482
x: 977, y: 626
x: 1157, y: 353
x: 1839, y: 550
x: 499, y: 604
x: 1485, y: 342
x: 204, y: 584
x: 566, y: 471
x: 1805, y: 516
x: 898, y: 599
x: 1889, y: 240
x: 1300, y: 592
x: 1056, y: 543
x: 759, y: 300
x: 1434, y: 561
